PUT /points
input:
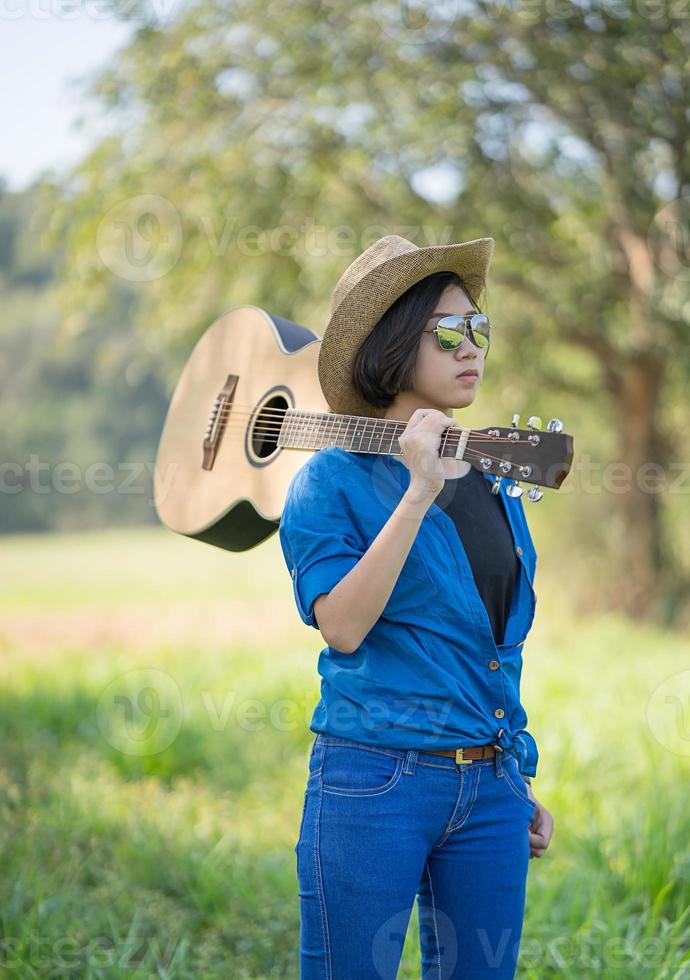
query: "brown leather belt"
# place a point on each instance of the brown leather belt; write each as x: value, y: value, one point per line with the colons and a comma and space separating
x: 467, y: 754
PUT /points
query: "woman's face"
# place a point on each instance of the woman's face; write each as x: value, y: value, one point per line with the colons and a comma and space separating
x: 436, y: 381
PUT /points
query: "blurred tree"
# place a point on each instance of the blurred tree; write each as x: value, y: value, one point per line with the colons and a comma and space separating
x: 254, y: 156
x: 82, y: 403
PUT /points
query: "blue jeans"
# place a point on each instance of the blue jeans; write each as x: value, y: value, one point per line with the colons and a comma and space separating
x: 383, y: 826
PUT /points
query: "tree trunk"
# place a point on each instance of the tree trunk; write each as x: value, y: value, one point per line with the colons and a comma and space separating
x: 644, y: 584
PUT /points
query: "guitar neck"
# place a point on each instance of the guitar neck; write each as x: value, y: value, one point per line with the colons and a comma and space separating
x: 357, y: 434
x: 543, y: 458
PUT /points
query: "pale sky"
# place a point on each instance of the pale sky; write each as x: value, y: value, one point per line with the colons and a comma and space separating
x: 44, y: 44
x: 41, y: 49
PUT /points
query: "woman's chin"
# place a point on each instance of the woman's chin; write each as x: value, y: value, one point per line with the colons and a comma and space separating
x: 463, y: 400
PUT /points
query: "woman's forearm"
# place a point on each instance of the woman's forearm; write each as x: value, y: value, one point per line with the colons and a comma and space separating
x: 348, y: 612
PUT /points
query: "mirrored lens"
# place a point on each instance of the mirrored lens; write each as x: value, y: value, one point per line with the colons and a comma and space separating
x: 481, y: 330
x: 451, y: 333
x: 449, y: 338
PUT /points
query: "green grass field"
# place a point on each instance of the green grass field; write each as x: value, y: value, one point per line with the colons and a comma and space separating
x: 156, y: 695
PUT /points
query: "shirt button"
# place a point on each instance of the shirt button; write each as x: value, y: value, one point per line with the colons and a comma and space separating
x: 499, y: 712
x: 293, y: 573
x: 519, y: 550
x: 493, y: 665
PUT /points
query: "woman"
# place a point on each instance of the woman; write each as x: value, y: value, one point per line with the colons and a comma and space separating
x: 419, y: 578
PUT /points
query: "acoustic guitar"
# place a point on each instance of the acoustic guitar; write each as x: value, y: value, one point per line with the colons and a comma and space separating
x: 249, y: 392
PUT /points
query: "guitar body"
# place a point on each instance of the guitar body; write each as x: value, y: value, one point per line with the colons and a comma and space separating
x: 237, y: 502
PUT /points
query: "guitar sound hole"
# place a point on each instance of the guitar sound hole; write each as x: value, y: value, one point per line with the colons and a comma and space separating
x: 266, y: 428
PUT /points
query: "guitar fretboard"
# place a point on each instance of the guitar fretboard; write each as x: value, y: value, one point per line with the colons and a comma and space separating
x: 358, y: 434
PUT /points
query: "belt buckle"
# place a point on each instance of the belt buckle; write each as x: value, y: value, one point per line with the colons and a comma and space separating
x: 459, y: 758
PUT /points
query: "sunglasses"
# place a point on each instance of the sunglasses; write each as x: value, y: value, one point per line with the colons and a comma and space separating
x: 450, y: 336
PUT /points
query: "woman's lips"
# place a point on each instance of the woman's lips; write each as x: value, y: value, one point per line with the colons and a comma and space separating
x: 467, y: 376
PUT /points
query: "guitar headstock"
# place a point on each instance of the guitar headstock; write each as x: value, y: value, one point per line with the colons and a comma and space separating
x: 539, y: 457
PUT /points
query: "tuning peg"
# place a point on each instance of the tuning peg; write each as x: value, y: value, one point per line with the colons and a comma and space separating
x: 554, y: 425
x: 534, y: 494
x: 495, y: 486
x: 515, y: 490
x: 534, y: 422
x: 516, y: 419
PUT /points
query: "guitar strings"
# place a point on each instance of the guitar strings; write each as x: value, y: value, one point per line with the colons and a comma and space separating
x: 276, y: 421
x: 451, y: 439
x: 275, y: 427
x: 278, y: 413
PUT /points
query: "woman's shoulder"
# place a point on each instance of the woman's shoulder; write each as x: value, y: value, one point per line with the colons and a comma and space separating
x: 325, y: 462
x: 321, y: 466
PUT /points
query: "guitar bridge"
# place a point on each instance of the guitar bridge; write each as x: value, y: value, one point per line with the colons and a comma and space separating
x: 217, y: 420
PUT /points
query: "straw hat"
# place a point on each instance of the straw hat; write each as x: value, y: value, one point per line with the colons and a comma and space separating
x: 366, y: 289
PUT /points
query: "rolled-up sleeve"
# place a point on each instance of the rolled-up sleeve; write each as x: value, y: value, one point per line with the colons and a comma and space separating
x: 319, y: 540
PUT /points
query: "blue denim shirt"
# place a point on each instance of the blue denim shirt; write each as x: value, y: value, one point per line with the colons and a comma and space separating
x: 429, y: 673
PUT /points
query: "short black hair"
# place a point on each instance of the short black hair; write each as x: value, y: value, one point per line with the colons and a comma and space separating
x: 384, y: 364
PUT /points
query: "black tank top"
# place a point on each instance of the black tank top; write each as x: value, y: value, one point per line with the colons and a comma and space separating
x: 483, y: 527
